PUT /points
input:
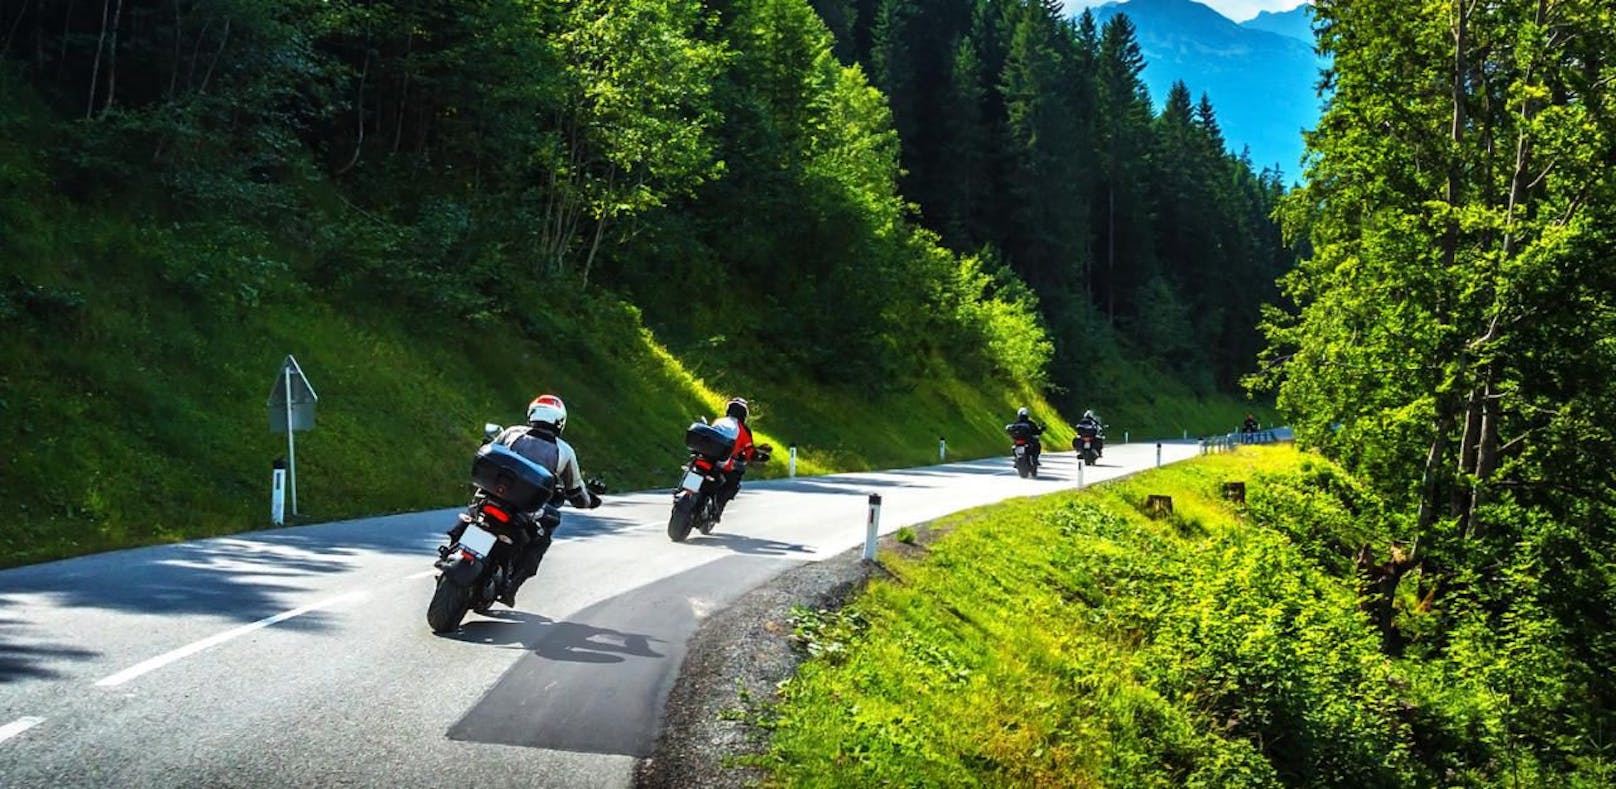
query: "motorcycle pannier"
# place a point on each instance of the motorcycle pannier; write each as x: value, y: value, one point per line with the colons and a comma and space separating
x: 511, y: 478
x: 713, y: 442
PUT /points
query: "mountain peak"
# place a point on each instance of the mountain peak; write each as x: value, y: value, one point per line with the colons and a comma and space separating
x: 1261, y: 82
x: 1296, y: 23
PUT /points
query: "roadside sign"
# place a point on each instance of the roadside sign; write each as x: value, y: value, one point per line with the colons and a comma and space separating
x: 291, y: 399
x: 291, y: 405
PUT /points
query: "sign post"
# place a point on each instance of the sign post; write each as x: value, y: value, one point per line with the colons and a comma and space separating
x: 291, y: 408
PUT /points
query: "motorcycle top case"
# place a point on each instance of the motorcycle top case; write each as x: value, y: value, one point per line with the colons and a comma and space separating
x: 511, y: 478
x: 1020, y: 430
x: 716, y: 440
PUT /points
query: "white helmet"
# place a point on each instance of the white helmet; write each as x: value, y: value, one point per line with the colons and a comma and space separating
x: 547, y: 411
x: 1022, y: 412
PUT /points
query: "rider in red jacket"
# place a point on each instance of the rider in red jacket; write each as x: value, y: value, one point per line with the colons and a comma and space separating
x: 735, y: 467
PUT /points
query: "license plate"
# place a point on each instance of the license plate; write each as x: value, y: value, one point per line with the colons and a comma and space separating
x: 693, y: 481
x: 1085, y: 444
x: 477, y: 540
x: 1021, y: 451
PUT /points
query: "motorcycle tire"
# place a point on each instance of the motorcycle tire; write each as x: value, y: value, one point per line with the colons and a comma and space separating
x: 680, y: 521
x: 1021, y: 469
x: 449, y: 604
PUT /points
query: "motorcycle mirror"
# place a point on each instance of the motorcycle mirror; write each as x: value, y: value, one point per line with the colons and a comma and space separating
x: 701, y: 419
x: 490, y: 430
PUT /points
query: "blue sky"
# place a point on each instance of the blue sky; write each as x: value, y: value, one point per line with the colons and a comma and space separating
x: 1238, y: 10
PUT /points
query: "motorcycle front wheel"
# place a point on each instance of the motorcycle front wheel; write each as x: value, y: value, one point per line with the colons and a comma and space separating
x: 680, y: 521
x: 449, y: 603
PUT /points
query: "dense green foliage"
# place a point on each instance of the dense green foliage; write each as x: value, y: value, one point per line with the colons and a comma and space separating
x: 1070, y: 640
x: 1033, y: 134
x: 1451, y: 341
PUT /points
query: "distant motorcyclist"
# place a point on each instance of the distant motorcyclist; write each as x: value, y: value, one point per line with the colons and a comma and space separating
x: 1024, y: 423
x: 1250, y: 425
x: 736, y: 411
x: 540, y: 441
x: 1089, y: 427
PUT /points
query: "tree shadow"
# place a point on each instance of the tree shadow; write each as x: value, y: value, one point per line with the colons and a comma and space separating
x: 19, y: 661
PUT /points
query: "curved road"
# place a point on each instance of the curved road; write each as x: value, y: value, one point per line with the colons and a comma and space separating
x: 301, y: 656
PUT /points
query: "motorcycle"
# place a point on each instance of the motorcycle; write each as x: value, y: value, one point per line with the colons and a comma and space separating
x: 1088, y: 444
x: 695, y: 501
x: 1023, y: 442
x: 479, y: 563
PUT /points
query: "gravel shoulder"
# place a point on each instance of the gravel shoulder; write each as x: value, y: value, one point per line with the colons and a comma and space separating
x: 735, y: 662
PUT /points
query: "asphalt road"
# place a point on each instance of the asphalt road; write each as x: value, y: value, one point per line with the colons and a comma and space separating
x: 301, y: 656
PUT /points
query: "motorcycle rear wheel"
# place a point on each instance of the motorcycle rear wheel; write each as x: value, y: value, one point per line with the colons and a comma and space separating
x: 679, y: 522
x: 449, y: 603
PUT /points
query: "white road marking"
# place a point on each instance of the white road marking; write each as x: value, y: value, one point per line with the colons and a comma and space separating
x: 420, y: 575
x: 215, y: 640
x: 18, y: 726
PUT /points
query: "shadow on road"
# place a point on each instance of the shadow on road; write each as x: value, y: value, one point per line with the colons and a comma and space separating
x: 19, y: 661
x: 572, y: 642
x: 754, y: 546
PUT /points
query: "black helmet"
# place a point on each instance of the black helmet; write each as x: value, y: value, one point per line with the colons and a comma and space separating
x: 737, y: 409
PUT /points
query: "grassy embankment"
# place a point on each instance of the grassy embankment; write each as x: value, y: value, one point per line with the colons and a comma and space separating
x: 1070, y: 640
x: 136, y: 357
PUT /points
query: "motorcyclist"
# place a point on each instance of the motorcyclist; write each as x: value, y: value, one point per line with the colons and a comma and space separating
x: 1089, y: 427
x: 540, y: 441
x: 1034, y: 430
x: 736, y: 412
x: 1250, y: 425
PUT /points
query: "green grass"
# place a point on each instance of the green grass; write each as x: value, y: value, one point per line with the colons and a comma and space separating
x: 136, y: 357
x: 1070, y: 640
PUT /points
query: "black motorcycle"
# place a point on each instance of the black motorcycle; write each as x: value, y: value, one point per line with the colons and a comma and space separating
x: 479, y: 563
x: 1024, y: 448
x: 1089, y: 444
x: 695, y: 501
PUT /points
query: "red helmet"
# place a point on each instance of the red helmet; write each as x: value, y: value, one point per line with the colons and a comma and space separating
x: 547, y: 411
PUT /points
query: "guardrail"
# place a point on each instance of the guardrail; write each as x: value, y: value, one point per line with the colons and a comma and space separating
x: 1229, y: 441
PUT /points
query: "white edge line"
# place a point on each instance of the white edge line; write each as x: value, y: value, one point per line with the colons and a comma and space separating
x: 420, y: 575
x: 18, y: 726
x: 219, y: 638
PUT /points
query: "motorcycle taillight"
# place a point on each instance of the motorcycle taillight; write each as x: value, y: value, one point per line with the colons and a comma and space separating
x: 704, y: 465
x: 496, y: 513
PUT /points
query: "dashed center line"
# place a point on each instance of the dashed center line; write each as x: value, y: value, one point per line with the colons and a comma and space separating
x: 215, y: 640
x: 18, y: 726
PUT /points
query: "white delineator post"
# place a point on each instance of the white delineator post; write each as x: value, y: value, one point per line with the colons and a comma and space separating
x: 1124, y: 436
x: 872, y: 527
x: 791, y: 465
x: 277, y: 495
x: 942, y: 450
x: 1080, y: 465
x: 291, y: 441
x: 1158, y: 454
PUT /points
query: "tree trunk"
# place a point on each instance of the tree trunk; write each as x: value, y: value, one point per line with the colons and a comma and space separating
x: 112, y: 58
x: 359, y: 112
x: 12, y: 31
x: 208, y: 76
x: 95, y: 69
x: 1377, y: 591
